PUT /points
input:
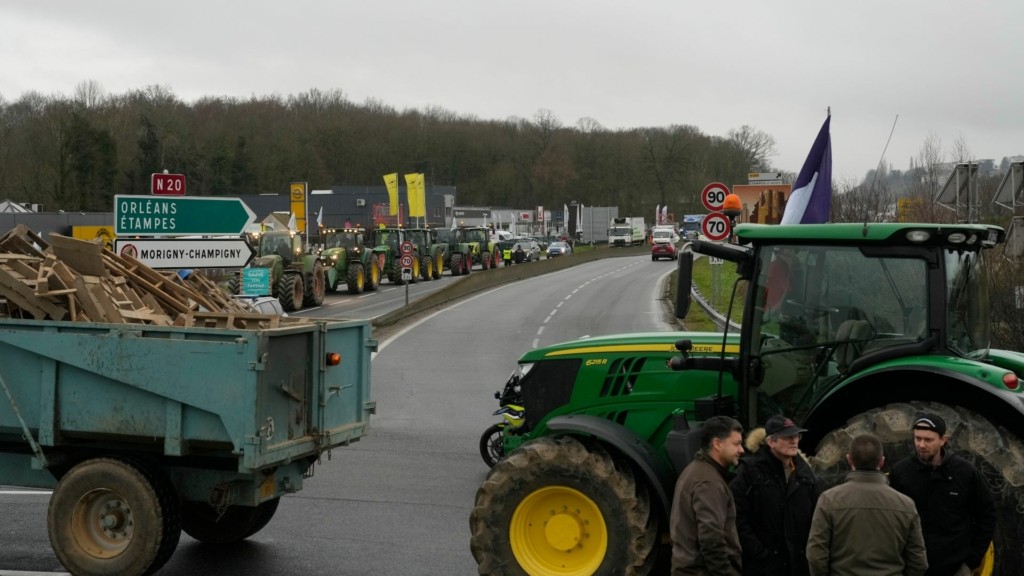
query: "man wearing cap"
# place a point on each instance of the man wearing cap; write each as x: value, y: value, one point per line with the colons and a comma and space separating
x: 958, y: 515
x: 775, y: 492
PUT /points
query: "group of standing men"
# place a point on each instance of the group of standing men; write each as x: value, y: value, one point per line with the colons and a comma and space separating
x: 934, y: 515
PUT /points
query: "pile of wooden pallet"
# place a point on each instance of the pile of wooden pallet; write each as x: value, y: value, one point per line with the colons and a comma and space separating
x: 76, y: 280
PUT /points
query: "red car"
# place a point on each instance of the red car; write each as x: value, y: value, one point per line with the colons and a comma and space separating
x: 662, y: 246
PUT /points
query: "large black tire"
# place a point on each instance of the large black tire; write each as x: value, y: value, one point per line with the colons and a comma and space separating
x: 438, y: 265
x: 456, y: 264
x: 994, y: 450
x: 356, y: 278
x: 427, y: 267
x: 234, y: 285
x: 550, y: 505
x: 289, y: 292
x: 315, y: 286
x: 200, y: 521
x: 113, y: 517
x: 373, y: 276
x: 492, y: 444
x: 485, y: 260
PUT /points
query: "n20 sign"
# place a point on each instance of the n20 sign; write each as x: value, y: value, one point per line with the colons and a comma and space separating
x: 715, y: 226
x: 713, y: 196
x: 161, y: 184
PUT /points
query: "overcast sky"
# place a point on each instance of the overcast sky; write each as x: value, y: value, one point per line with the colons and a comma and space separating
x: 948, y: 69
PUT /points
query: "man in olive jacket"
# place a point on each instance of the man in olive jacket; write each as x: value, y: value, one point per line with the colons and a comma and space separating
x: 776, y: 493
x: 864, y: 526
x: 703, y: 519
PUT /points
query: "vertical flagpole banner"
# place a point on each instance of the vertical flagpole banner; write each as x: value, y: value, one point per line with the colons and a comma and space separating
x: 391, y: 181
x: 811, y: 199
x: 421, y: 185
x: 297, y: 194
x: 415, y: 195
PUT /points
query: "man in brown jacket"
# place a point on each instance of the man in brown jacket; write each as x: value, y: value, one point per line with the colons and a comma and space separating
x: 703, y: 522
x: 864, y: 526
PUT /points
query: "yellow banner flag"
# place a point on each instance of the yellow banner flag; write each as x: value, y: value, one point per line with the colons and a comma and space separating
x: 415, y: 192
x: 391, y: 181
x: 421, y: 184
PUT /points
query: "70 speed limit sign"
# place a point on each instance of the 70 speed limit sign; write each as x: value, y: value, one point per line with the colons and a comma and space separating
x: 715, y: 226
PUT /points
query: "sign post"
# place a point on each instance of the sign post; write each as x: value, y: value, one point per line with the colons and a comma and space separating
x: 180, y: 216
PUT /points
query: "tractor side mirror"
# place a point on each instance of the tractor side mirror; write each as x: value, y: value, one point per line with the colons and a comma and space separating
x: 684, y: 280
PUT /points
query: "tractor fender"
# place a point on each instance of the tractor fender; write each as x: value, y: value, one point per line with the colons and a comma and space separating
x: 659, y: 475
x: 911, y: 382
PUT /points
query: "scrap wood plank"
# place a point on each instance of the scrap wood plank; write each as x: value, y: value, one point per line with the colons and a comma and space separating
x: 168, y: 302
x: 147, y: 315
x: 87, y: 301
x: 23, y: 240
x: 83, y: 256
x: 13, y: 286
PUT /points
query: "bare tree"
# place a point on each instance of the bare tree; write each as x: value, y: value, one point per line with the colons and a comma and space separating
x: 758, y: 145
x: 89, y: 94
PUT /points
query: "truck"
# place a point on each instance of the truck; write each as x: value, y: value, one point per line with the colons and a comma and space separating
x: 145, y: 431
x: 691, y: 226
x: 348, y: 260
x: 846, y: 328
x: 296, y: 277
x: 626, y: 231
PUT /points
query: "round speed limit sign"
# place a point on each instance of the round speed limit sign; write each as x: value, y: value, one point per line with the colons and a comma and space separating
x: 406, y: 261
x: 713, y: 196
x: 715, y: 226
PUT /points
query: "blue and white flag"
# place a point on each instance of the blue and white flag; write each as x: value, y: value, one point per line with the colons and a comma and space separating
x: 811, y: 199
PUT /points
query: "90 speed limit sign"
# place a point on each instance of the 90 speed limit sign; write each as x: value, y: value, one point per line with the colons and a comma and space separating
x: 713, y: 196
x: 715, y: 226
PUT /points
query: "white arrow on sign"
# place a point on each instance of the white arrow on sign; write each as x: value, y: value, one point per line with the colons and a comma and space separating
x: 187, y: 252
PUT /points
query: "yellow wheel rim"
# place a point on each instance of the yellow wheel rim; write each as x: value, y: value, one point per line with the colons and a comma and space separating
x: 374, y: 274
x: 558, y: 530
x: 440, y: 263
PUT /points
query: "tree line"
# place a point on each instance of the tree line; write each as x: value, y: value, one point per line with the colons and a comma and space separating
x: 76, y: 152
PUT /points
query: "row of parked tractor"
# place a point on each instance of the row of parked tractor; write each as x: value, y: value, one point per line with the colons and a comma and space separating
x: 358, y: 260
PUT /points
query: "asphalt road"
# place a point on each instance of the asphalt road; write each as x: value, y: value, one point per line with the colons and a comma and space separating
x: 398, y: 501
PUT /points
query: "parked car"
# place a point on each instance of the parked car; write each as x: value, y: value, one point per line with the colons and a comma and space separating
x: 559, y: 249
x: 663, y: 245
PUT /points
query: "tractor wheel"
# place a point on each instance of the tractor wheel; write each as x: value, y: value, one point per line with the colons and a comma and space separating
x: 113, y: 517
x: 415, y: 269
x: 200, y: 521
x: 289, y: 292
x: 992, y: 449
x: 456, y: 264
x: 234, y: 285
x: 373, y: 276
x: 492, y: 444
x: 427, y: 267
x: 485, y: 261
x: 496, y: 255
x: 356, y: 278
x: 467, y: 263
x: 561, y: 507
x: 438, y: 265
x: 314, y: 292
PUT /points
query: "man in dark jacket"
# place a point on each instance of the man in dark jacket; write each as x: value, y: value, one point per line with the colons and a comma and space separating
x: 775, y: 492
x: 958, y: 516
x: 703, y: 519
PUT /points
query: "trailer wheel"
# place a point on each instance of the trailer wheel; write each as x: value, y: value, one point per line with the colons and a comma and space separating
x: 200, y: 521
x: 373, y: 277
x: 356, y: 278
x: 315, y: 289
x: 289, y: 292
x: 113, y: 517
x: 557, y: 506
x: 456, y: 264
x: 998, y: 453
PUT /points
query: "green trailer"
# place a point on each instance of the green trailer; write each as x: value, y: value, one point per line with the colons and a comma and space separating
x: 145, y: 431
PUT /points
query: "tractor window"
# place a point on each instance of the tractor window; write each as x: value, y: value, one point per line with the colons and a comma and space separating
x: 967, y: 305
x: 820, y: 308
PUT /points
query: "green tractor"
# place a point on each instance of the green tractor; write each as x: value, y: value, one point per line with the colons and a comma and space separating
x: 482, y: 250
x: 349, y: 261
x: 387, y: 244
x: 846, y: 328
x: 296, y: 278
x: 456, y: 253
x: 431, y: 252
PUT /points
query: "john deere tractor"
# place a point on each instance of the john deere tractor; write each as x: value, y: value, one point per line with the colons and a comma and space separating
x: 431, y: 253
x: 296, y: 278
x: 349, y: 261
x: 456, y: 253
x: 846, y: 328
x: 386, y: 249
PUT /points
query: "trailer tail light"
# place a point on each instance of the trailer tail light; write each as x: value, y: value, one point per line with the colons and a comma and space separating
x: 333, y: 359
x: 1011, y: 381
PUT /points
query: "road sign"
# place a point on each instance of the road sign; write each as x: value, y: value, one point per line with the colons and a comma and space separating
x: 180, y: 216
x: 713, y: 196
x: 256, y: 281
x: 162, y: 184
x: 715, y: 261
x: 406, y: 275
x: 187, y: 252
x: 406, y: 261
x: 715, y: 226
x: 405, y: 247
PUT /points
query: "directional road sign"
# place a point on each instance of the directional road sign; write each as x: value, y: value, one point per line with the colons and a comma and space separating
x: 713, y: 196
x: 715, y: 226
x: 180, y: 216
x: 187, y: 252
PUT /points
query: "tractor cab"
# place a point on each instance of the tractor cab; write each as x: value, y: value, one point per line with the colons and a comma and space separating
x: 348, y: 238
x: 285, y: 244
